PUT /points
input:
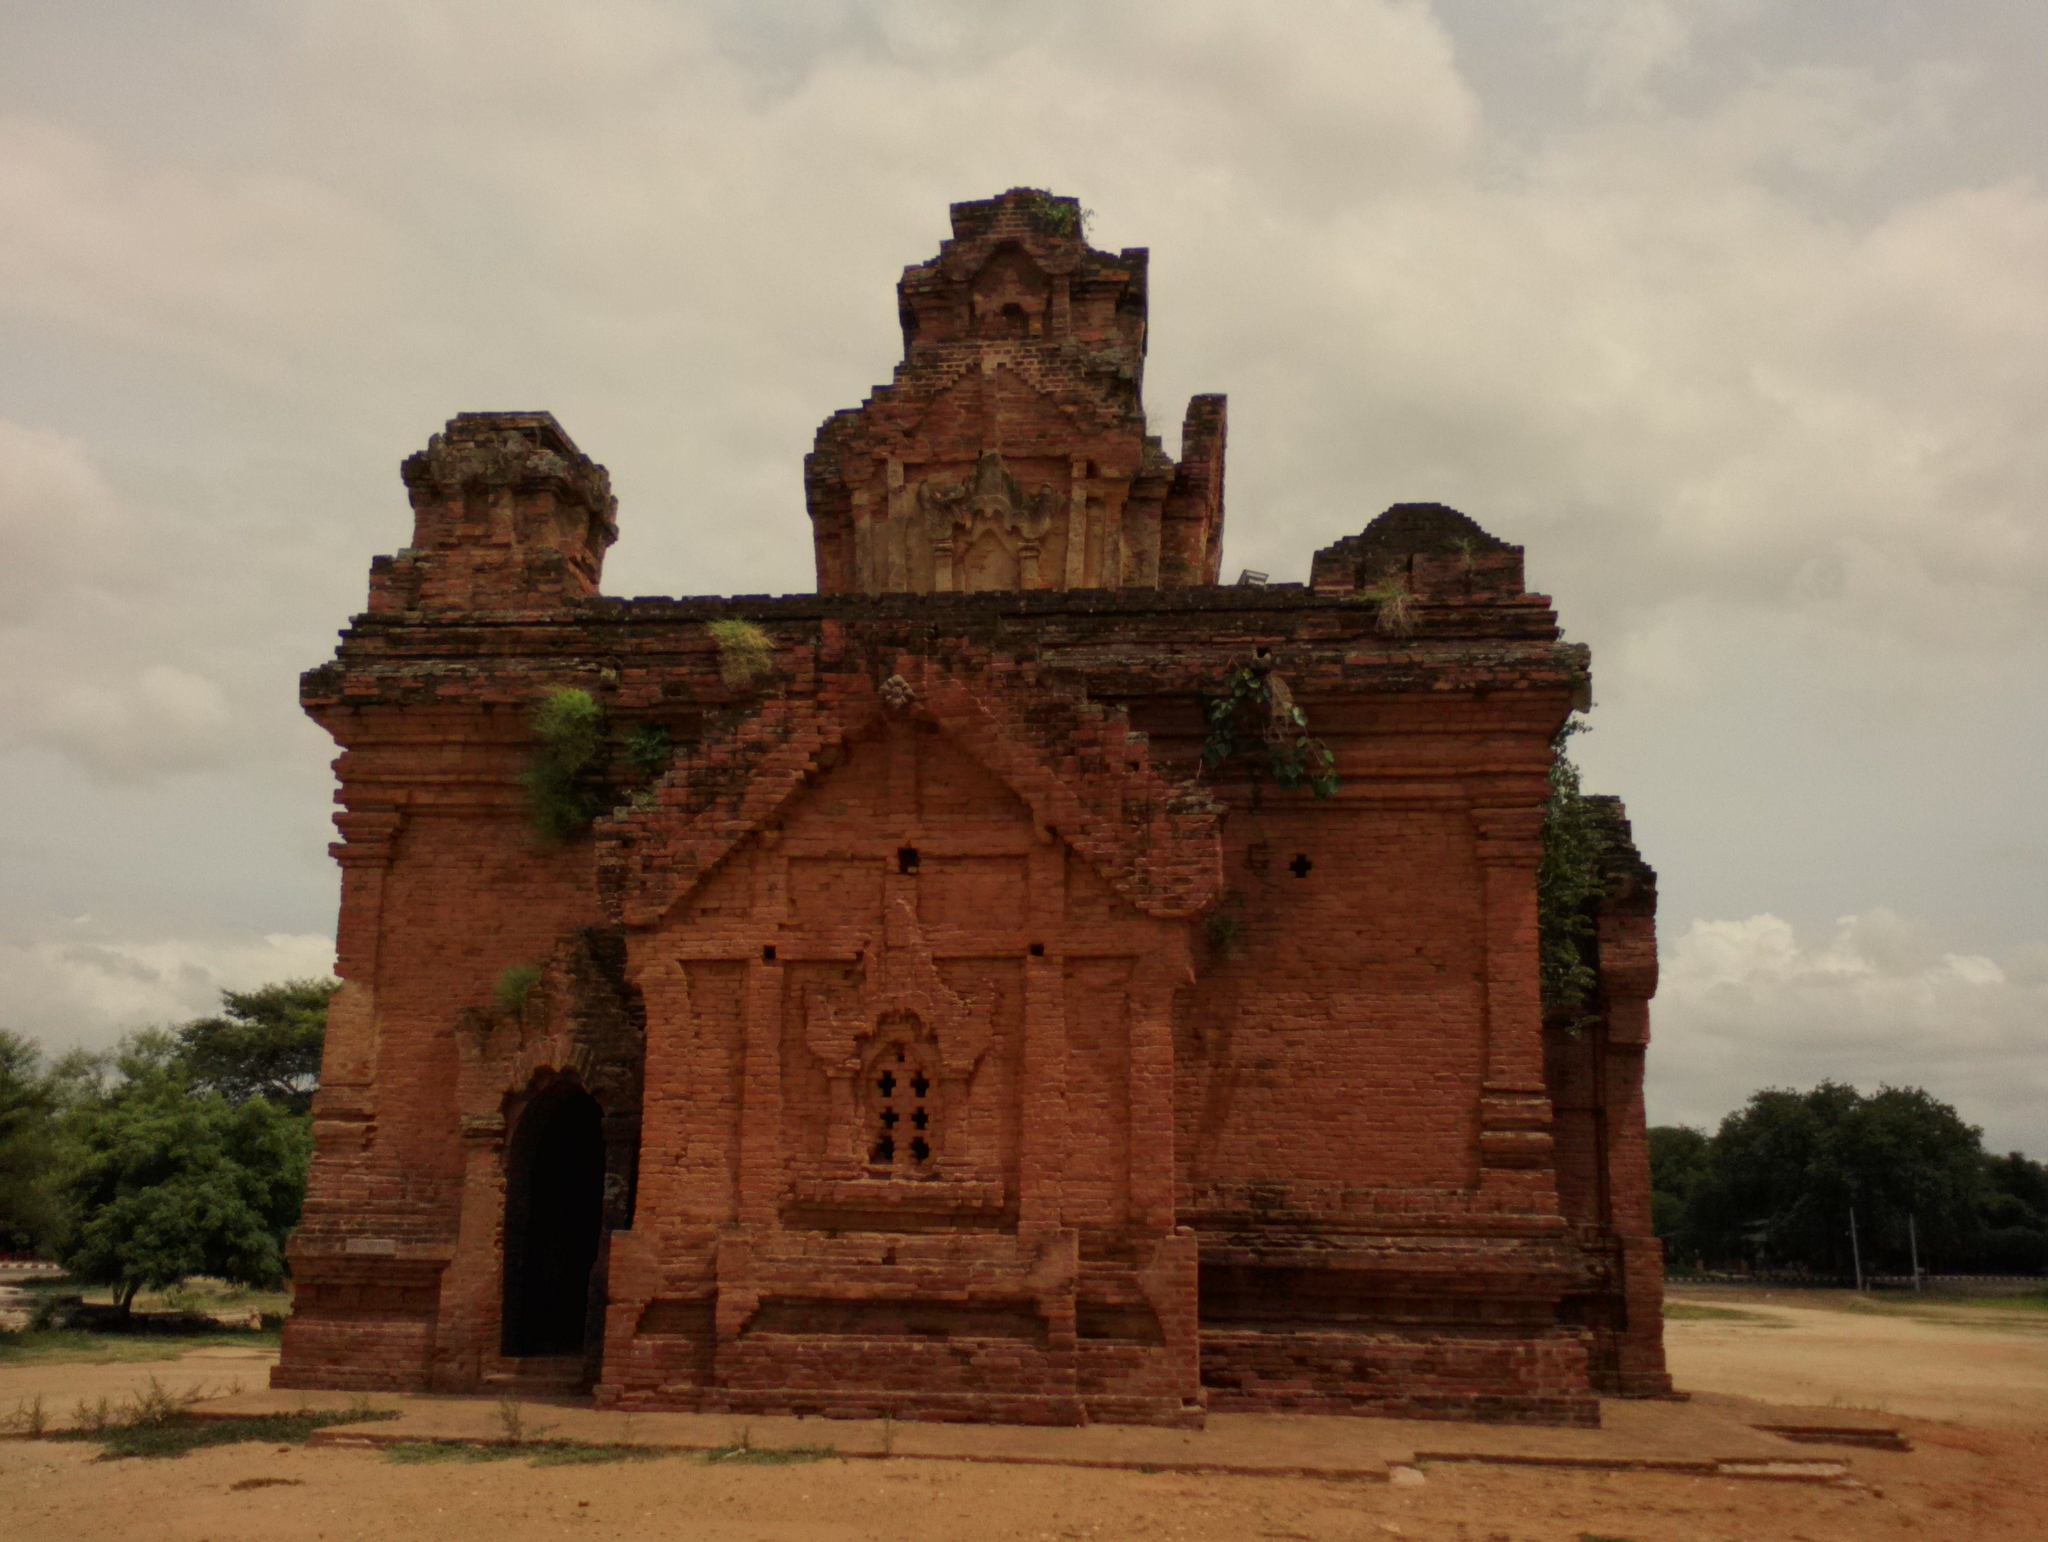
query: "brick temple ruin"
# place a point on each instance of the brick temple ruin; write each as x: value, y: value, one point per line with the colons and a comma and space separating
x: 931, y: 1017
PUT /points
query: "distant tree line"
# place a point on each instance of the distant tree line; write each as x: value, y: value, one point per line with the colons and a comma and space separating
x: 1776, y: 1184
x: 184, y: 1151
x: 181, y: 1152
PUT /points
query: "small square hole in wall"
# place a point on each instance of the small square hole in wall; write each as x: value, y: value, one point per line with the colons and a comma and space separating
x: 1038, y: 950
x: 768, y: 953
x: 906, y: 859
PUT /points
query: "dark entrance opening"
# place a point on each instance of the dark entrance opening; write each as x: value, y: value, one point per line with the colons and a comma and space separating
x: 554, y: 1219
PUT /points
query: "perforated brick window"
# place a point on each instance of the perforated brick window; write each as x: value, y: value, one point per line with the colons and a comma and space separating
x: 903, y: 1123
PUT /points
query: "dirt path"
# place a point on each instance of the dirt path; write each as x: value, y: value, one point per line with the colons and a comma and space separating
x: 1979, y: 1365
x: 1980, y: 1476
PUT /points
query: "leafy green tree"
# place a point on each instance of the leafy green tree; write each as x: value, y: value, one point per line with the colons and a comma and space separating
x: 1568, y: 880
x: 264, y: 1044
x: 1783, y: 1173
x: 2014, y: 1212
x: 167, y: 1181
x: 1678, y: 1156
x: 29, y: 1208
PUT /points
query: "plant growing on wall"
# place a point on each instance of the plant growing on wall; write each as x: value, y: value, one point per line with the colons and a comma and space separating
x: 648, y: 750
x: 1396, y: 603
x: 744, y: 652
x: 1568, y: 880
x: 514, y: 986
x: 564, y: 783
x: 1256, y: 717
x: 1060, y: 215
x: 577, y: 767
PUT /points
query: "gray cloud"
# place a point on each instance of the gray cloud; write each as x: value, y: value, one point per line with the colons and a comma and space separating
x: 1735, y: 319
x: 1753, y: 1003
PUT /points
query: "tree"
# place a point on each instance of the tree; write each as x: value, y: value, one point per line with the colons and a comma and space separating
x: 2014, y: 1211
x: 1568, y: 880
x: 29, y: 1208
x: 1782, y: 1174
x: 1678, y: 1156
x: 168, y: 1181
x: 264, y: 1044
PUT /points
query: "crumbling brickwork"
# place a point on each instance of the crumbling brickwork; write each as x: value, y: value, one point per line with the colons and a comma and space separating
x: 929, y: 1027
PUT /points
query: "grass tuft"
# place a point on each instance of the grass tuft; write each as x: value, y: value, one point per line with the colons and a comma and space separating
x: 545, y: 1453
x: 744, y: 652
x: 747, y: 1455
x: 568, y: 1454
x: 429, y: 1453
x: 1685, y: 1311
x: 63, y: 1346
x: 176, y: 1432
x: 514, y: 986
x: 1396, y: 605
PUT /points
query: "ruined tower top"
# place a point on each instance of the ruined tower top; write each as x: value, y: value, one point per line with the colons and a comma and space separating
x: 508, y: 515
x: 1010, y: 450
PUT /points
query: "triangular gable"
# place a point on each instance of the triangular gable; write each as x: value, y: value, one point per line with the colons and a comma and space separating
x: 1083, y: 776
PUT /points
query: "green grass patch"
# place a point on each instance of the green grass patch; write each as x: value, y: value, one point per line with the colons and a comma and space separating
x: 542, y: 1453
x: 176, y: 1434
x: 769, y: 1456
x: 66, y: 1346
x: 1685, y: 1311
x: 430, y: 1453
x: 568, y: 1454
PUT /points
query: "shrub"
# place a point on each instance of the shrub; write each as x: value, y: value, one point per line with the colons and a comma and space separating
x: 744, y: 652
x: 514, y: 986
x: 564, y: 790
x: 1396, y: 605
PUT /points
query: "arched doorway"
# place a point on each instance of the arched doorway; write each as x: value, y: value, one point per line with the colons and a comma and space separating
x: 554, y: 1221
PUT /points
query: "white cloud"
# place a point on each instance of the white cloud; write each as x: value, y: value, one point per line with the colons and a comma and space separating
x: 238, y: 269
x: 86, y: 990
x: 85, y: 622
x: 1751, y: 1003
x: 1778, y: 457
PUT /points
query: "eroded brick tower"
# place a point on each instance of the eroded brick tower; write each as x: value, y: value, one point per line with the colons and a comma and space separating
x: 918, y: 1026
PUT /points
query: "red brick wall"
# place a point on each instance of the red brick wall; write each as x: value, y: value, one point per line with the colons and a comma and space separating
x: 1240, y: 1097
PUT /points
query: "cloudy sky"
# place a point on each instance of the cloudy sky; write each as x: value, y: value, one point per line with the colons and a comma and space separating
x: 1734, y: 314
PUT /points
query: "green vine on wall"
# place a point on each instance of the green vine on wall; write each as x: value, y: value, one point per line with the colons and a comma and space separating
x: 1256, y: 718
x: 1568, y: 881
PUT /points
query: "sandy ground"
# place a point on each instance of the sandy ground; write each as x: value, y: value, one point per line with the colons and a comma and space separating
x: 1971, y: 1394
x: 1978, y: 1363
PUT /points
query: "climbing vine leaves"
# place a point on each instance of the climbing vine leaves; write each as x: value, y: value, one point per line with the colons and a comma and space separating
x: 1256, y: 718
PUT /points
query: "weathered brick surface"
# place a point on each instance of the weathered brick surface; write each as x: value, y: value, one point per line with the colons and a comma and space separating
x: 963, y: 1049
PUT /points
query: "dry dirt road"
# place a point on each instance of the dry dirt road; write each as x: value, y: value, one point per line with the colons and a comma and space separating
x: 1980, y: 1363
x: 1974, y: 1390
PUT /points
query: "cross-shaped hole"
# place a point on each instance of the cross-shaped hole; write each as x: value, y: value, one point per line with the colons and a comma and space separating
x: 1300, y: 865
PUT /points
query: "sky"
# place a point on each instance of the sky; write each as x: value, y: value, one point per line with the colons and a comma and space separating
x: 1734, y: 315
